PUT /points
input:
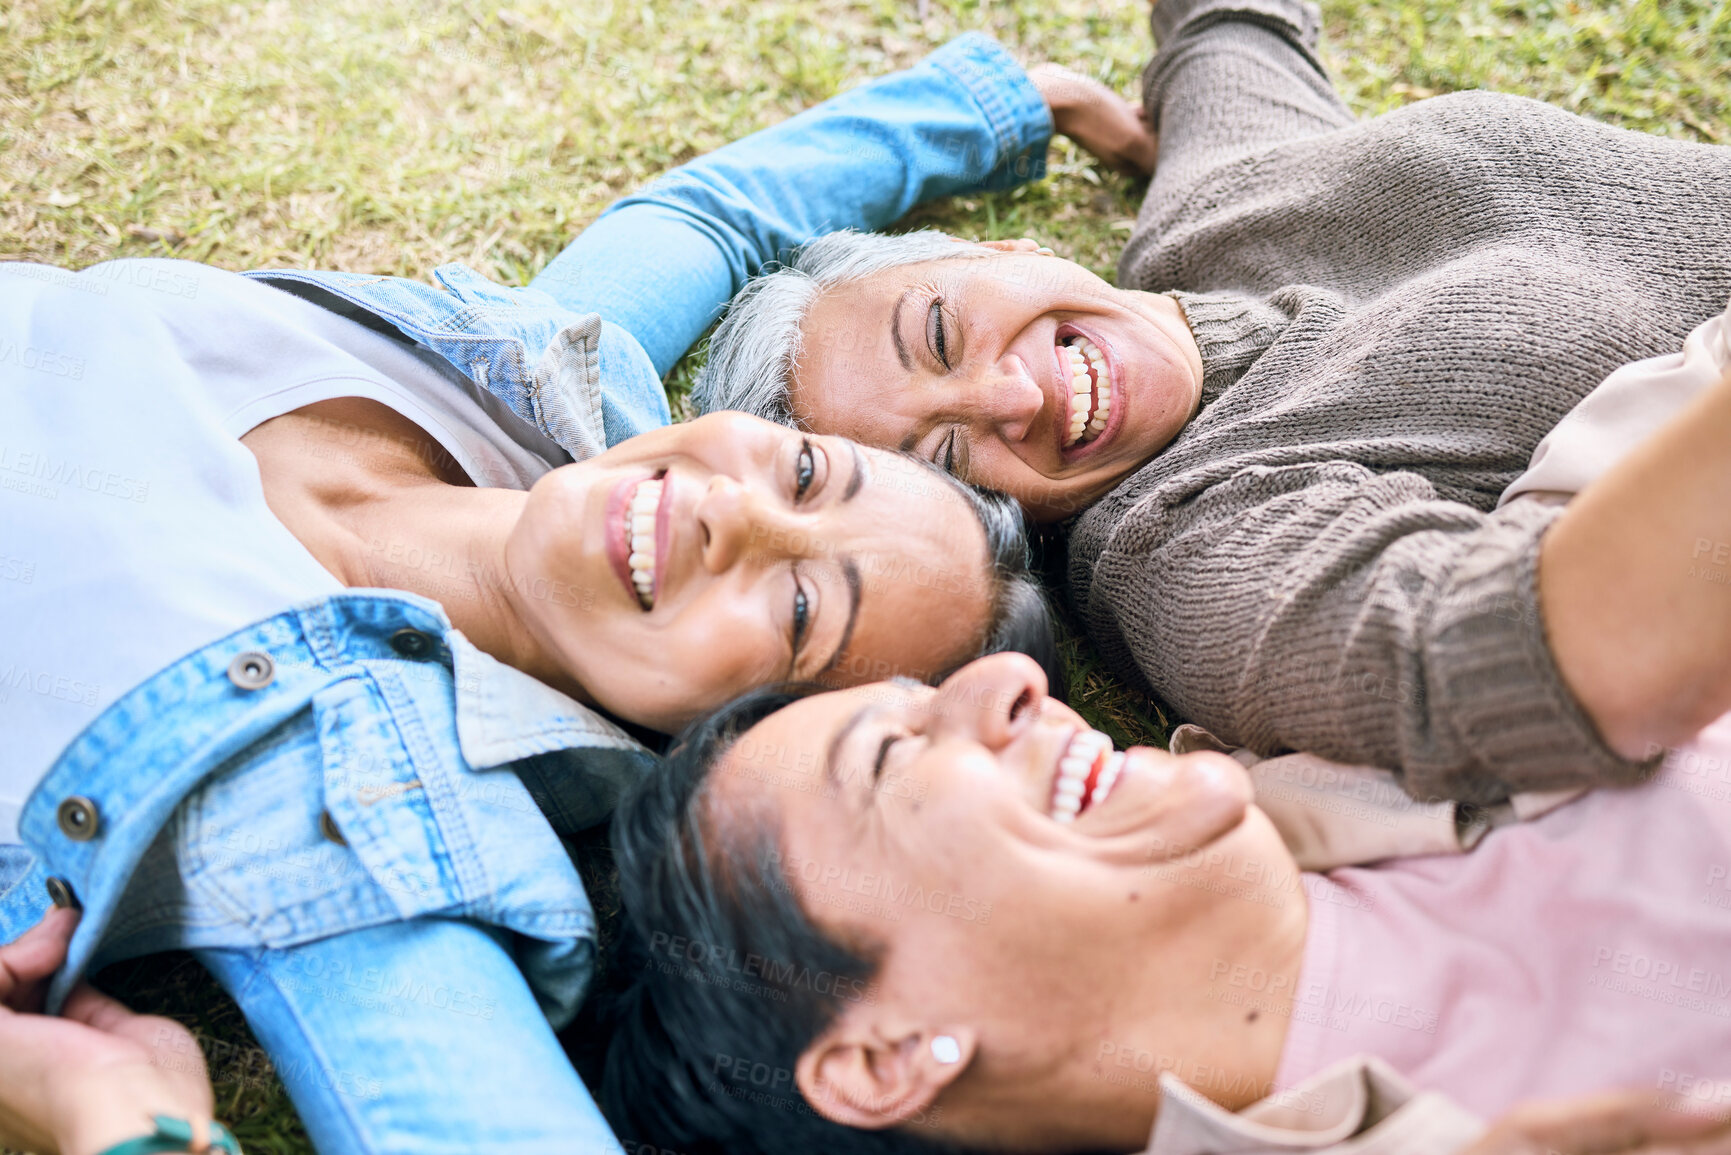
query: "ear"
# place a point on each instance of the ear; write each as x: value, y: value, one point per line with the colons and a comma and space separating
x: 857, y: 1076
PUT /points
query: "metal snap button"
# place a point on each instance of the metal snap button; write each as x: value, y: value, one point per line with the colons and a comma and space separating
x: 328, y: 828
x: 61, y: 895
x: 252, y: 670
x: 411, y: 644
x: 79, y: 818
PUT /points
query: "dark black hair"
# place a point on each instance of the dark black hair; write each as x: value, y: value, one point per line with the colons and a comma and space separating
x: 730, y: 980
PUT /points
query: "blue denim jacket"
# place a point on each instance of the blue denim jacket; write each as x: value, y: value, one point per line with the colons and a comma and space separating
x: 362, y: 846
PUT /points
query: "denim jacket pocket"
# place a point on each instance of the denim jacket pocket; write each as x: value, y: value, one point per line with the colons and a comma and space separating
x: 261, y: 854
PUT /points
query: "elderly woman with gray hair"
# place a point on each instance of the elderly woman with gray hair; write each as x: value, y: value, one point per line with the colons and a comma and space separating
x: 1279, y: 444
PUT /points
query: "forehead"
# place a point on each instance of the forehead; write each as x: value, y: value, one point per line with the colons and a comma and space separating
x: 847, y: 330
x: 925, y: 582
x: 907, y: 507
x: 784, y: 760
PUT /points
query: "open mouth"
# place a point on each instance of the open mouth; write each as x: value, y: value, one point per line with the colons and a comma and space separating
x: 641, y: 539
x: 1087, y: 771
x: 1090, y: 389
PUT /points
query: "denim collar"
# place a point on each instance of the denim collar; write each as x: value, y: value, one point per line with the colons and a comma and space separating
x: 504, y: 715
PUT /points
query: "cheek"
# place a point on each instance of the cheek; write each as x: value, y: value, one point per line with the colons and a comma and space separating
x: 994, y: 465
x: 923, y: 614
x: 855, y: 394
x: 713, y: 650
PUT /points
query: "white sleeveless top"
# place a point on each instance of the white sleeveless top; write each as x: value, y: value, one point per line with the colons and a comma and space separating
x: 133, y: 526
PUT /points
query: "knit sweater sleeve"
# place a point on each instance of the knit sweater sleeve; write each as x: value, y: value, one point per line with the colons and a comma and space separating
x: 1352, y: 614
x: 1232, y: 77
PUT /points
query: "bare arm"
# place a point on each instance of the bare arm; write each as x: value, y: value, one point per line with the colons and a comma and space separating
x: 1633, y: 585
x: 1097, y: 118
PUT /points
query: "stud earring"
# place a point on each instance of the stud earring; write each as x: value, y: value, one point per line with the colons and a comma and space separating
x: 946, y: 1050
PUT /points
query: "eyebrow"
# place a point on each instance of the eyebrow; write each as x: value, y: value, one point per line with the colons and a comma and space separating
x: 859, y: 473
x: 833, y: 754
x: 850, y: 570
x: 896, y: 331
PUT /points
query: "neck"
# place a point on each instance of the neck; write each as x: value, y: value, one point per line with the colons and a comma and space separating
x: 1167, y: 314
x: 448, y: 543
x: 1208, y: 1001
x: 379, y: 504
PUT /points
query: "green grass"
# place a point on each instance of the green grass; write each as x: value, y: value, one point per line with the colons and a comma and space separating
x: 392, y: 136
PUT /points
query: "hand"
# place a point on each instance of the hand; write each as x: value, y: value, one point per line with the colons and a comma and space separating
x: 1098, y: 119
x: 79, y: 1084
x: 1620, y: 1123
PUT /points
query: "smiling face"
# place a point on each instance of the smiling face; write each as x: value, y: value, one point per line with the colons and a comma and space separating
x: 695, y: 562
x: 1049, y: 921
x: 1017, y: 371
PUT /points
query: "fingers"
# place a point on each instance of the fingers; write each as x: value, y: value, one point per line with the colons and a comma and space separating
x: 91, y: 1007
x: 26, y: 963
x: 170, y: 1045
x: 1632, y: 1122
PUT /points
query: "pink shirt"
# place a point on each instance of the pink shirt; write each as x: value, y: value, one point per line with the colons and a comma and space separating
x: 1584, y: 950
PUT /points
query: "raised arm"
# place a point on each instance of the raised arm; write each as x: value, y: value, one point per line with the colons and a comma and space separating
x: 1230, y: 78
x: 662, y: 262
x: 1356, y: 615
x: 1634, y: 583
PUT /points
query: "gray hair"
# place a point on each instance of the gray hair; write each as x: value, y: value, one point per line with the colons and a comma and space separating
x: 754, y: 350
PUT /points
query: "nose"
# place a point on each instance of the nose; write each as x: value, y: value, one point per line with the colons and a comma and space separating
x: 991, y: 700
x: 1005, y: 397
x: 739, y: 522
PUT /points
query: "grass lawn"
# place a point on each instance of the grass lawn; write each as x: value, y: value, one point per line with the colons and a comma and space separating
x: 392, y: 136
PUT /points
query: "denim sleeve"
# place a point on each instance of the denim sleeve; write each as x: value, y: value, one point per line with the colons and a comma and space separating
x: 662, y: 262
x: 414, y: 1036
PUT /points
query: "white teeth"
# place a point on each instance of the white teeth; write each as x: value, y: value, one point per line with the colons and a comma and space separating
x: 1090, y: 394
x: 640, y: 534
x: 1070, y: 787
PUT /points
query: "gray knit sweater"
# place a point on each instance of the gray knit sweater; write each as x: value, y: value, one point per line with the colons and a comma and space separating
x: 1391, y: 314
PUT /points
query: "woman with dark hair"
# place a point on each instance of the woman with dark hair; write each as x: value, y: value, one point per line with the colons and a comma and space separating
x: 905, y: 919
x: 1281, y: 438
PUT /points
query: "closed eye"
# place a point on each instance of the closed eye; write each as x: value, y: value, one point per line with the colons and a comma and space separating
x: 883, y: 756
x: 937, y: 338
